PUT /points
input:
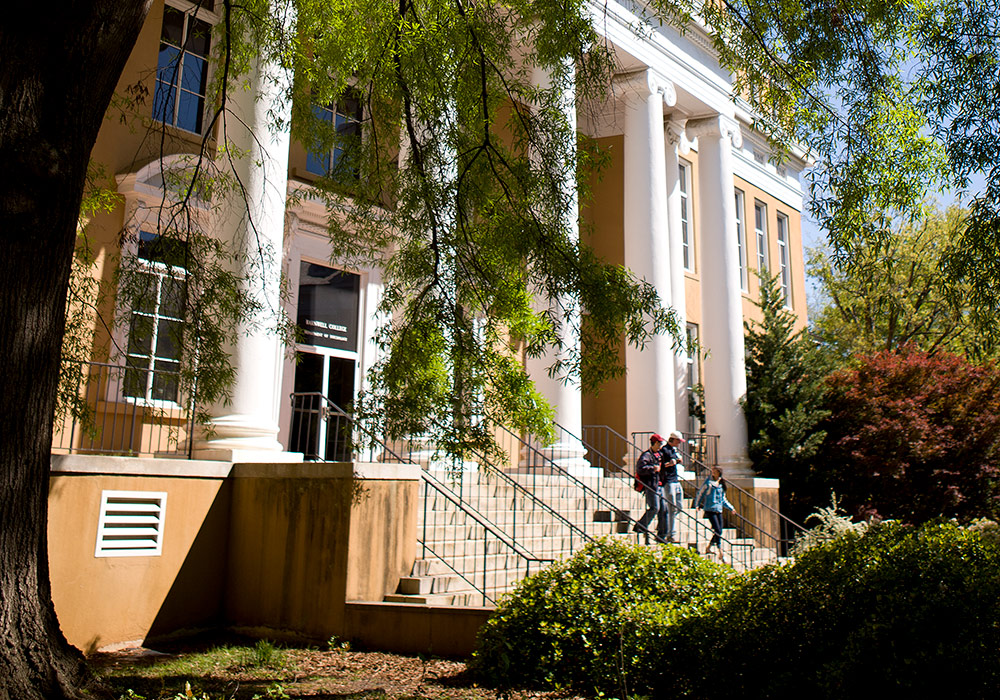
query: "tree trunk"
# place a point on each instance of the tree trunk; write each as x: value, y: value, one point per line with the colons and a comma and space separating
x: 59, y: 65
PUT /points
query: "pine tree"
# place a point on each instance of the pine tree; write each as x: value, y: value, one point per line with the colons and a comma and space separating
x: 785, y: 398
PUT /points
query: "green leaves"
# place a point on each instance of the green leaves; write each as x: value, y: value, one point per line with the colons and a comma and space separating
x: 586, y: 622
x: 466, y: 200
x: 784, y: 404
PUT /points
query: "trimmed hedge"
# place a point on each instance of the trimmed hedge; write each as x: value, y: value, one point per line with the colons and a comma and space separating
x: 896, y: 611
x: 582, y: 622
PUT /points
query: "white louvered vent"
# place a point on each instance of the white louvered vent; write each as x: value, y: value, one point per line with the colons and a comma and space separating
x: 131, y: 524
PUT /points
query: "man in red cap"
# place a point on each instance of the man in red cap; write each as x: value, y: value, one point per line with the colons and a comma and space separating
x: 647, y: 470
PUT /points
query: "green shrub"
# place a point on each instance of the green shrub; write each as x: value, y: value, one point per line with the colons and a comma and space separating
x: 893, y: 612
x: 583, y: 622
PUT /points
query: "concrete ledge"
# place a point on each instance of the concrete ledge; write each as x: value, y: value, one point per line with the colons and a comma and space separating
x: 139, y: 466
x: 415, y: 629
x: 368, y: 471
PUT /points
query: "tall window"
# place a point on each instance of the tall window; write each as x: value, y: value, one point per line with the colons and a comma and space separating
x: 760, y: 227
x: 345, y: 119
x: 687, y: 243
x: 741, y: 241
x: 154, y: 350
x: 695, y: 401
x: 182, y: 70
x: 783, y: 265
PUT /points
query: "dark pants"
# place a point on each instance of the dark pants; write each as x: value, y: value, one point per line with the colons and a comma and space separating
x: 715, y: 520
x: 656, y: 507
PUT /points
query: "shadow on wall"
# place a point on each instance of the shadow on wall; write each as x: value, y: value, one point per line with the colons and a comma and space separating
x: 195, y: 599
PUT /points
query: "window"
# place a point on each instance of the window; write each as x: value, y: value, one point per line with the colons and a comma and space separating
x: 741, y: 241
x: 687, y: 244
x: 783, y: 267
x: 691, y: 331
x: 153, y: 359
x: 131, y: 524
x: 182, y: 70
x: 696, y: 399
x: 760, y: 226
x: 346, y: 122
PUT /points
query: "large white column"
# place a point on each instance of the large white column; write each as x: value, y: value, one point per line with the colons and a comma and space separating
x: 722, y: 302
x: 565, y: 397
x: 650, y: 394
x: 676, y: 143
x: 246, y: 428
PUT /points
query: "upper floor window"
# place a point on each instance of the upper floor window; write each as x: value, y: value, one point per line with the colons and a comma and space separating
x: 687, y: 238
x: 784, y: 268
x: 345, y: 120
x: 741, y: 241
x: 153, y: 357
x: 760, y: 227
x: 182, y: 70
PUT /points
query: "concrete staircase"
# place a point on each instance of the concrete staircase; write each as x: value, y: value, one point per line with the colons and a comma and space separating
x: 483, y: 533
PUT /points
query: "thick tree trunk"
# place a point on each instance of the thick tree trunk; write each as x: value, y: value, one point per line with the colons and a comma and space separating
x: 59, y: 64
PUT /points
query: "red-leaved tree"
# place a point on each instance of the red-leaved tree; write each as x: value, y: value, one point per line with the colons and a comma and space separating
x: 913, y: 436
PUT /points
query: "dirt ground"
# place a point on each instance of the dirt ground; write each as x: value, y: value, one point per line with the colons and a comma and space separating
x: 234, y: 674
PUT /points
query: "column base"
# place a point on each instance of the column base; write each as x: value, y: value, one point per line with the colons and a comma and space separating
x: 249, y: 456
x: 736, y: 468
x: 424, y: 452
x: 242, y: 438
x: 570, y: 457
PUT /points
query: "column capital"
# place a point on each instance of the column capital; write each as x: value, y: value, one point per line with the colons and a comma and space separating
x: 718, y: 125
x: 646, y: 82
x: 675, y: 134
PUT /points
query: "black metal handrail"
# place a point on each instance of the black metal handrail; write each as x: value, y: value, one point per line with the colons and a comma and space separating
x: 492, y: 471
x: 323, y: 431
x: 788, y: 529
x: 319, y: 424
x: 524, y: 557
x: 537, y: 456
x: 123, y: 410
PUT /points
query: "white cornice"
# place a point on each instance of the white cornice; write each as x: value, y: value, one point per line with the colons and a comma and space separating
x: 686, y: 59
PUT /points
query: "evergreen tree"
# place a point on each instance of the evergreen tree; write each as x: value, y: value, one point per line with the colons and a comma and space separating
x: 784, y: 403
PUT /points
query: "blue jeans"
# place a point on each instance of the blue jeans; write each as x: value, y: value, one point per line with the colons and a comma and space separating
x: 673, y: 497
x: 656, y: 505
x: 715, y: 520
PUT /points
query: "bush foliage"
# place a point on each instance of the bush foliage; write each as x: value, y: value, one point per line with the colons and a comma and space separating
x: 583, y: 622
x: 891, y: 611
x: 894, y: 612
x: 913, y: 436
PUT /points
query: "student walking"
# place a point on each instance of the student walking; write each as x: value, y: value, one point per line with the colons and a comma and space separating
x: 712, y: 498
x: 647, y: 470
x: 670, y: 460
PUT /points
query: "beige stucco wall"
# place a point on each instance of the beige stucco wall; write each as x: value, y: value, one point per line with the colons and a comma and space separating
x: 604, y: 230
x: 308, y: 537
x: 278, y: 547
x: 109, y: 600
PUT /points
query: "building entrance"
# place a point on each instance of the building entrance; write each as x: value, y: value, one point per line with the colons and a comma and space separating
x: 323, y: 384
x: 328, y: 306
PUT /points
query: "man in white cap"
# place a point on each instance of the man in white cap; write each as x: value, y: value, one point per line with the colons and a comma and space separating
x: 670, y: 459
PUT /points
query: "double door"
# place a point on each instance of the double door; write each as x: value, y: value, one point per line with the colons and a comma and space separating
x: 324, y: 392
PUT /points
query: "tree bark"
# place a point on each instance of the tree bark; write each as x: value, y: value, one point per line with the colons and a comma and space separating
x: 59, y: 65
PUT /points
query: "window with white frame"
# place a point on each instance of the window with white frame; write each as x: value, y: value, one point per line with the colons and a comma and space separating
x: 760, y: 228
x: 687, y: 234
x: 345, y: 120
x: 691, y: 331
x: 784, y: 269
x: 182, y: 69
x: 741, y: 241
x: 153, y: 355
